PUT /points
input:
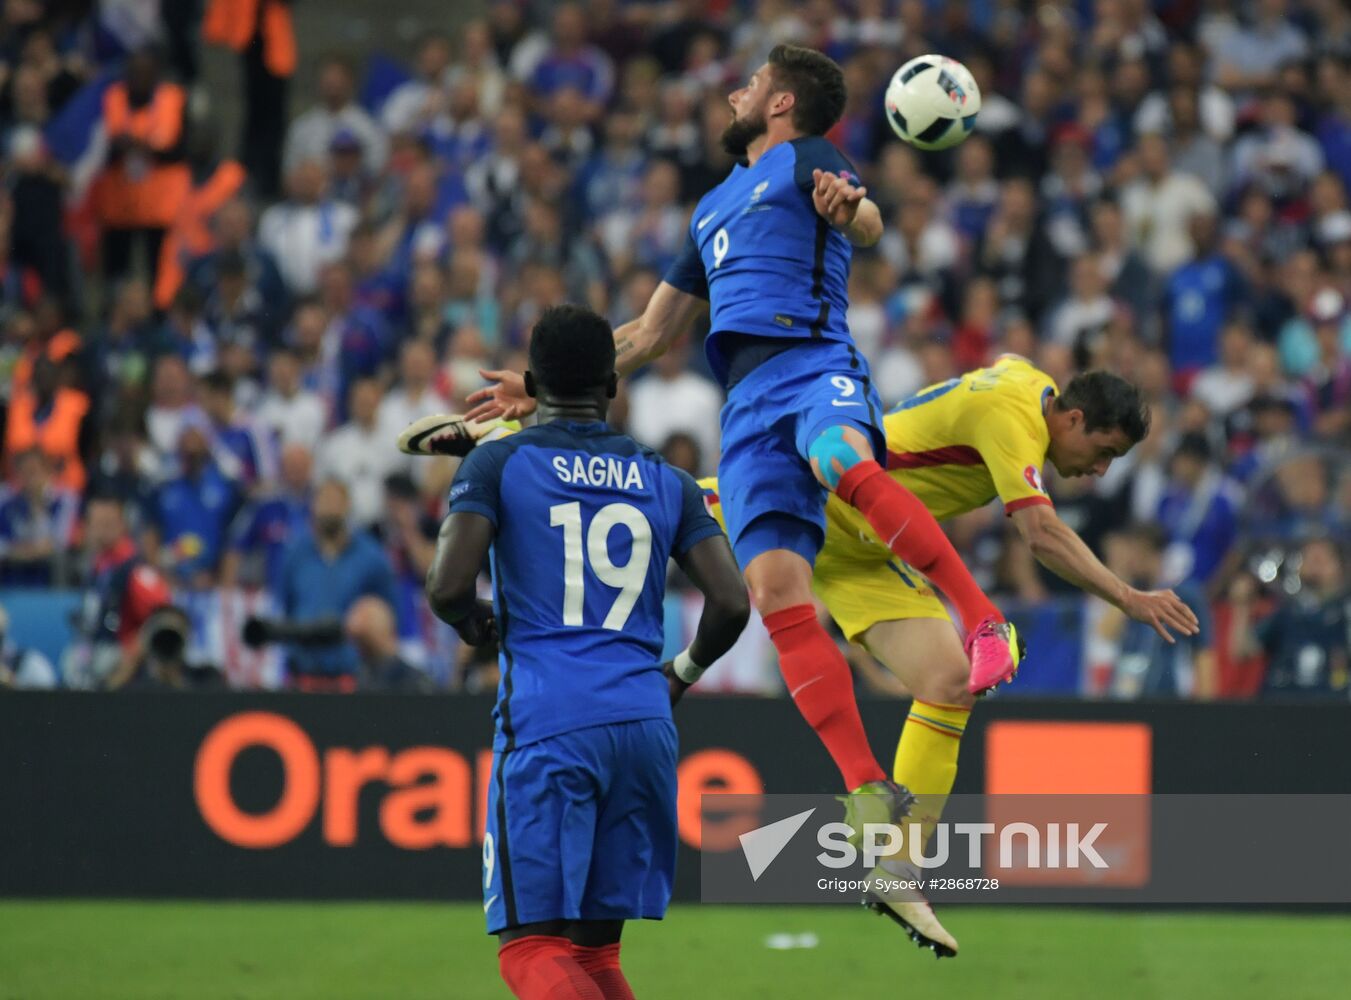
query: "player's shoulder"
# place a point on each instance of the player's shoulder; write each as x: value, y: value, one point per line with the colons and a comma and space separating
x: 813, y: 152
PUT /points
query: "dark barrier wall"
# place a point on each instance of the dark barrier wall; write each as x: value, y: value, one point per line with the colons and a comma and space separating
x: 382, y: 796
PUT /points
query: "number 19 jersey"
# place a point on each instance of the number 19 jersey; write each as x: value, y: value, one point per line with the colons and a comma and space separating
x: 585, y: 520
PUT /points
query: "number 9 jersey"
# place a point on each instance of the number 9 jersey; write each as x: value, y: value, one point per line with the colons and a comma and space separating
x: 585, y: 521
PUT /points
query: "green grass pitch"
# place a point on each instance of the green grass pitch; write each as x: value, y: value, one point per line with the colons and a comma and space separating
x: 243, y: 951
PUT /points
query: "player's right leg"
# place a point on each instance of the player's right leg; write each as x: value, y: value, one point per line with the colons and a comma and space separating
x: 775, y: 514
x: 536, y: 856
x: 927, y: 656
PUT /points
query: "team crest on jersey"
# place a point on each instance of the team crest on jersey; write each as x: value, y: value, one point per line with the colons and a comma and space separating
x: 1033, y: 476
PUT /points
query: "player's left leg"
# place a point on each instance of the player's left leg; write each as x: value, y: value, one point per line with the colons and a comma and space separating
x: 843, y: 459
x: 537, y: 962
x: 595, y: 946
x: 633, y: 847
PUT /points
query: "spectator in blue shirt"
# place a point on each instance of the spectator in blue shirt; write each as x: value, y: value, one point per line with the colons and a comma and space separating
x: 37, y: 523
x: 1199, y: 298
x: 324, y: 574
x: 571, y: 62
x: 267, y: 527
x: 1143, y: 664
x: 242, y: 449
x: 1198, y: 510
x: 191, y: 513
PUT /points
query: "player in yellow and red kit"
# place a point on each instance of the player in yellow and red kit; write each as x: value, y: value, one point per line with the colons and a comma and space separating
x: 957, y: 446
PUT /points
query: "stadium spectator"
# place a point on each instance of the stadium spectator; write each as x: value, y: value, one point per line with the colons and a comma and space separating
x: 415, y: 105
x: 570, y: 61
x: 1246, y: 58
x: 1304, y: 639
x: 1228, y: 384
x: 296, y: 415
x: 124, y: 590
x: 672, y: 398
x: 171, y: 404
x: 478, y: 66
x: 1198, y: 298
x: 51, y: 417
x: 360, y: 456
x: 311, y: 135
x: 1198, y: 511
x: 262, y: 33
x: 22, y: 668
x: 233, y: 226
x: 1328, y: 382
x: 324, y: 573
x: 1159, y: 206
x: 269, y: 523
x: 415, y: 395
x: 37, y: 524
x: 191, y: 512
x: 308, y: 230
x: 138, y: 195
x: 370, y: 628
x: 1139, y: 664
x: 241, y: 448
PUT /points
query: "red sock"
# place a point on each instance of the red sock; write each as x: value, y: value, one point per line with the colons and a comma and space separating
x: 819, y: 680
x: 541, y: 967
x: 602, y: 965
x: 910, y: 531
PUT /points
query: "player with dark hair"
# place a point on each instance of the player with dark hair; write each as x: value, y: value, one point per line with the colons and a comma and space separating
x: 578, y: 522
x: 768, y: 254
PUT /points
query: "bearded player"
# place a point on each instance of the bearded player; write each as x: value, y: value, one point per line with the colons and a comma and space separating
x: 768, y: 255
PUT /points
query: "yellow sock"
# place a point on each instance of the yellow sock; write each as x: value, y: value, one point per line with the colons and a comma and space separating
x: 926, y: 758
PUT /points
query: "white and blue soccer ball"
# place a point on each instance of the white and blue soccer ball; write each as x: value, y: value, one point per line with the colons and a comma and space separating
x: 932, y: 102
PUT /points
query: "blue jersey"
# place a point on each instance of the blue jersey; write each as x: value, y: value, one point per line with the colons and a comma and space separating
x: 768, y: 263
x: 585, y: 520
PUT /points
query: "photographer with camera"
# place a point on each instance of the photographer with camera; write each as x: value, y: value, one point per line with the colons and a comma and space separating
x: 124, y: 592
x: 323, y: 575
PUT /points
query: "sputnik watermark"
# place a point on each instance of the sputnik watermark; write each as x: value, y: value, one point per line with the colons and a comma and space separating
x: 1021, y: 845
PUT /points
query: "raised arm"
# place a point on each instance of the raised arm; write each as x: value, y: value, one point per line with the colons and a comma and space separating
x: 669, y: 313
x: 1057, y: 547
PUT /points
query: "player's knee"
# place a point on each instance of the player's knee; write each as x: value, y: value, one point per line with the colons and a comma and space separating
x: 945, y: 683
x: 835, y: 451
x: 775, y: 587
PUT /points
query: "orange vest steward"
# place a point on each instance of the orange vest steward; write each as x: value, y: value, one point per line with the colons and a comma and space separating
x: 191, y: 234
x: 123, y: 199
x: 232, y: 23
x: 58, y: 436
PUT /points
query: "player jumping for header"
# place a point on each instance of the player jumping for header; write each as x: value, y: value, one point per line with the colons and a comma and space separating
x: 579, y: 520
x: 768, y: 253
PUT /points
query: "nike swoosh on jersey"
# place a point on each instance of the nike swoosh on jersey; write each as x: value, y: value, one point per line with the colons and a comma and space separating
x: 490, y: 902
x: 844, y: 402
x: 704, y: 221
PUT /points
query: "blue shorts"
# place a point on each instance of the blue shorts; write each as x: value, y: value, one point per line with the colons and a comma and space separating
x: 582, y: 826
x: 770, y: 498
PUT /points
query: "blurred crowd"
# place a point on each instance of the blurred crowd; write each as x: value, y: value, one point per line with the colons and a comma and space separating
x: 209, y: 346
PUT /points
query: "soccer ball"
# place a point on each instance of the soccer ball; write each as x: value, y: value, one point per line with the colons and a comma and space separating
x: 932, y: 102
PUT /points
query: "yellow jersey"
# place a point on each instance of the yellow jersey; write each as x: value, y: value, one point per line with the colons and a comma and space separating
x: 959, y: 444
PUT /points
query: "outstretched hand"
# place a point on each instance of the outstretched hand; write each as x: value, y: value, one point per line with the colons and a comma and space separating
x: 836, y: 198
x: 503, y: 397
x: 1161, y: 610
